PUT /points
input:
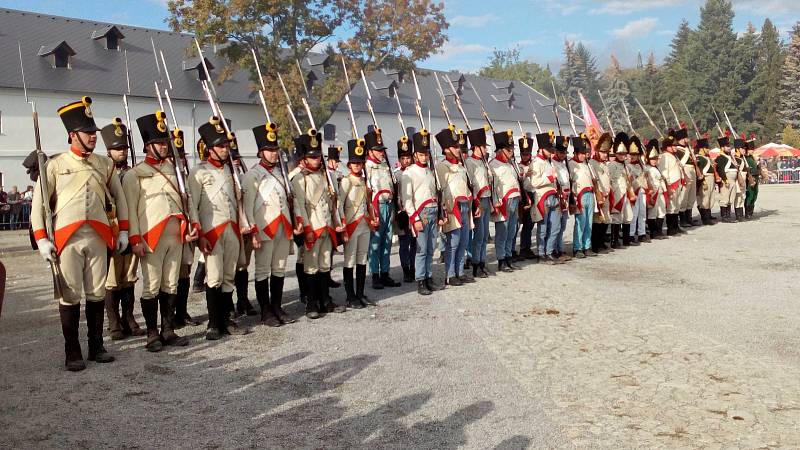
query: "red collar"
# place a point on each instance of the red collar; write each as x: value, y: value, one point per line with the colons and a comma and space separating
x: 476, y: 158
x: 420, y: 164
x: 575, y: 158
x: 153, y: 161
x: 501, y: 157
x: 78, y: 152
x: 451, y: 160
x: 215, y: 163
x: 370, y: 158
x: 542, y: 157
x: 269, y: 168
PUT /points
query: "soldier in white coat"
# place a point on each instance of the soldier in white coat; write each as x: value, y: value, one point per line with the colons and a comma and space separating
x: 658, y: 197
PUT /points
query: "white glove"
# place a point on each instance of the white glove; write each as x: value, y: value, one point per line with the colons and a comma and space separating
x: 122, y: 241
x: 46, y: 249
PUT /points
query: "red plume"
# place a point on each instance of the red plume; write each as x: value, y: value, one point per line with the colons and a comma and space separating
x: 744, y: 137
x: 683, y: 125
x: 727, y: 133
x: 752, y: 136
x: 706, y: 135
x: 694, y: 142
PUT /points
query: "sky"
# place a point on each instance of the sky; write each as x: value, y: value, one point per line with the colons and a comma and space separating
x: 538, y: 28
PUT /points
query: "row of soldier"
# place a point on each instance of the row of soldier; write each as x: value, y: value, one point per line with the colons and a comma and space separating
x: 110, y: 218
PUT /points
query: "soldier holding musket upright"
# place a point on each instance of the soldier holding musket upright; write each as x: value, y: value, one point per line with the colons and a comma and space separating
x: 122, y: 268
x: 266, y: 204
x: 640, y: 183
x: 753, y: 177
x: 726, y: 168
x: 670, y: 167
x: 739, y: 146
x: 706, y: 193
x: 506, y: 187
x: 483, y: 197
x: 159, y: 228
x: 211, y: 185
x: 602, y: 218
x: 658, y: 196
x: 583, y: 188
x: 546, y: 210
x: 380, y: 177
x: 90, y: 218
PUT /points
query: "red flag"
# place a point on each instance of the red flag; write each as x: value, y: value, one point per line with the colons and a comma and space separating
x: 593, y: 127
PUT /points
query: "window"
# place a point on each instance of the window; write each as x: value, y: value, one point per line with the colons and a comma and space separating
x: 1, y: 123
x: 61, y: 60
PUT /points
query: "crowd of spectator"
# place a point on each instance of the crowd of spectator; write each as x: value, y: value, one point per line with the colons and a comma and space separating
x: 783, y: 169
x: 15, y: 208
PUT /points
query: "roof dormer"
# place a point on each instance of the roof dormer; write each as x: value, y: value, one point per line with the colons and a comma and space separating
x: 61, y: 53
x: 508, y: 99
x: 197, y: 64
x: 458, y: 80
x: 507, y: 86
x: 397, y: 75
x: 388, y: 85
x: 111, y: 34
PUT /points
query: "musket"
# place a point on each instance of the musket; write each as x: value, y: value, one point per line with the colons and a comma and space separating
x: 360, y: 143
x: 598, y: 197
x: 664, y: 116
x: 560, y: 192
x: 466, y: 123
x: 733, y: 153
x: 176, y: 141
x: 440, y: 212
x: 698, y: 173
x: 633, y: 131
x: 631, y: 194
x: 628, y: 117
x: 298, y: 238
x: 289, y: 106
x: 214, y: 104
x: 555, y: 108
x: 160, y: 76
x: 378, y: 130
x: 525, y: 200
x: 652, y: 124
x: 127, y: 111
x: 691, y: 119
x: 719, y: 128
x: 533, y: 112
x: 59, y: 284
x: 608, y: 114
x: 302, y: 78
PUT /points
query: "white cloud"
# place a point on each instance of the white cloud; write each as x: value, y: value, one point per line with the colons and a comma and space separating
x: 768, y: 7
x: 640, y: 27
x: 474, y: 21
x: 622, y: 7
x: 454, y: 49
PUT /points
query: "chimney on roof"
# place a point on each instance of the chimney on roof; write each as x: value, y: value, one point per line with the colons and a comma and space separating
x: 111, y: 34
x: 61, y: 53
x: 458, y: 80
x: 398, y: 75
x: 388, y: 85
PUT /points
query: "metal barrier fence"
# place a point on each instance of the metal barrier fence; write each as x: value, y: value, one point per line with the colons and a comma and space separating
x: 15, y: 217
x: 783, y: 176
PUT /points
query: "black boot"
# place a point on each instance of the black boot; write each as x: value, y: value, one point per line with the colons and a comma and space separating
x: 167, y: 304
x: 331, y: 283
x: 243, y: 305
x: 112, y: 304
x: 182, y: 317
x: 627, y: 241
x: 503, y: 266
x: 199, y: 280
x: 483, y: 270
x: 276, y: 299
x: 422, y: 288
x: 301, y: 284
x: 615, y: 228
x: 215, y: 314
x: 262, y: 297
x: 690, y: 218
x: 329, y: 305
x: 510, y: 264
x: 376, y: 281
x: 408, y: 274
x: 150, y: 313
x: 475, y: 271
x: 70, y: 321
x: 312, y: 293
x: 94, y: 333
x: 361, y: 281
x: 739, y: 214
x: 672, y: 225
x: 651, y: 227
x: 387, y: 281
x: 682, y: 219
x: 660, y: 228
x: 128, y: 300
x: 431, y: 285
x: 231, y: 327
x: 349, y: 289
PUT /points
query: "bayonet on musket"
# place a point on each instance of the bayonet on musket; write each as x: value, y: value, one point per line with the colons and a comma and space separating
x: 649, y: 119
x: 127, y: 111
x: 607, y: 111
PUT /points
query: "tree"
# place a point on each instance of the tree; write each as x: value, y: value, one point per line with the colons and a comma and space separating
x: 587, y: 67
x: 710, y: 52
x: 506, y: 65
x: 616, y: 93
x: 579, y: 74
x: 765, y: 84
x: 789, y: 90
x: 676, y: 63
x: 647, y: 85
x: 790, y: 136
x: 283, y: 32
x: 747, y: 47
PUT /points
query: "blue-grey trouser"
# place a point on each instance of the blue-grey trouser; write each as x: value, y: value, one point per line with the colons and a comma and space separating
x: 426, y: 243
x: 505, y: 232
x: 380, y: 241
x: 456, y: 243
x: 582, y: 233
x: 548, y: 227
x: 480, y: 234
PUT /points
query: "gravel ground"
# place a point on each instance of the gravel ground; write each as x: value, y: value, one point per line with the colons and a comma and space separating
x: 688, y: 342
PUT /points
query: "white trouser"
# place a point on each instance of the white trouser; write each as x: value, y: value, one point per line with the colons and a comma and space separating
x: 639, y: 215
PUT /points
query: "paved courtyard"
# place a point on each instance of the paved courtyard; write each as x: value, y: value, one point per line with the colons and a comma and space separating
x: 691, y: 342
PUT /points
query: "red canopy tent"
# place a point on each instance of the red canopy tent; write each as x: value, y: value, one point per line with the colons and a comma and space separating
x: 770, y: 150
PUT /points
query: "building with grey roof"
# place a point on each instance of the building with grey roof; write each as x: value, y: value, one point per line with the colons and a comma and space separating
x: 66, y: 58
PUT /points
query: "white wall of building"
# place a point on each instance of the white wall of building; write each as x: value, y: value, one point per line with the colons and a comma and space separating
x: 17, y: 138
